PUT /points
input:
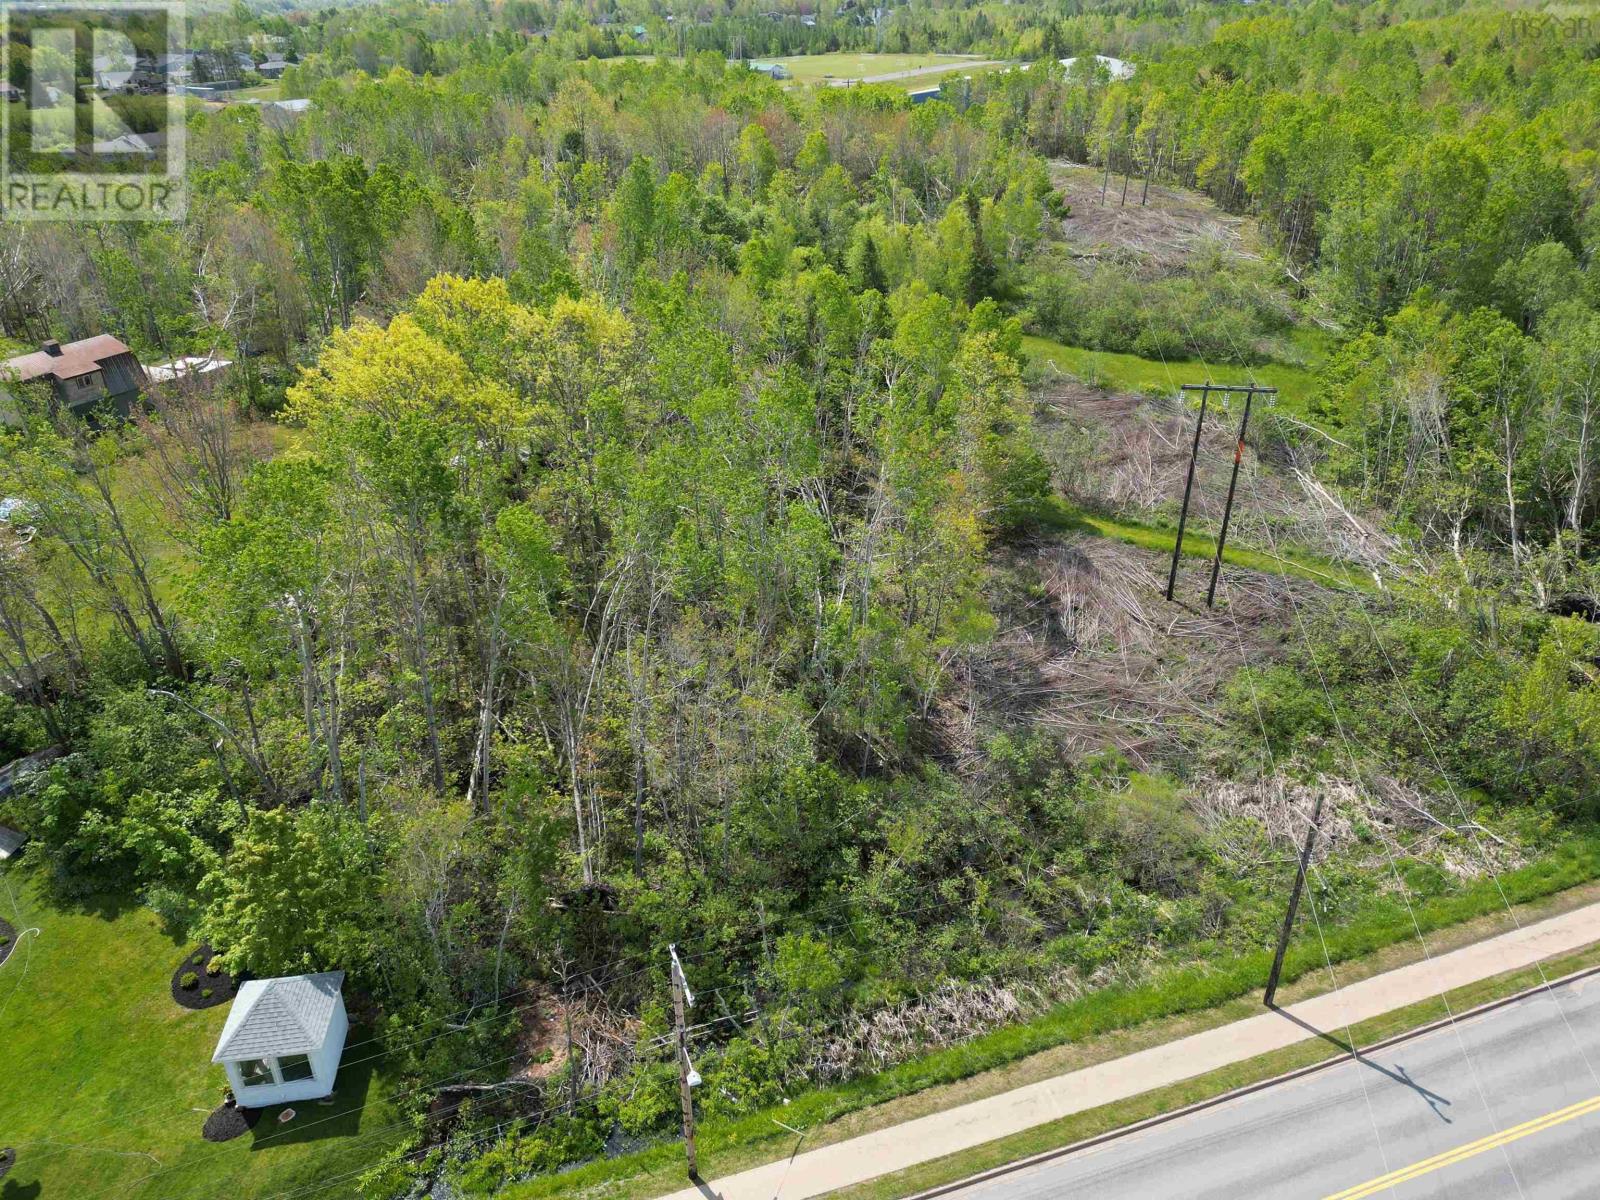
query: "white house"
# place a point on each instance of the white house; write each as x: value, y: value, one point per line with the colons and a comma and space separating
x: 283, y: 1039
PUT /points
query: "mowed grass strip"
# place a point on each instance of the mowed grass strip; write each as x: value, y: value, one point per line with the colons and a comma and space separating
x: 107, y: 1080
x: 1130, y: 373
x: 816, y: 68
x: 1058, y: 514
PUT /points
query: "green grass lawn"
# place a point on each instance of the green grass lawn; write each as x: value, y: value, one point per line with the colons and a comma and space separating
x: 1058, y: 514
x: 1130, y: 373
x: 107, y: 1081
x: 814, y: 68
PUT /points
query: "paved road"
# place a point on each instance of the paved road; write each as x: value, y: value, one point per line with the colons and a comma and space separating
x: 815, y: 1172
x: 1504, y: 1106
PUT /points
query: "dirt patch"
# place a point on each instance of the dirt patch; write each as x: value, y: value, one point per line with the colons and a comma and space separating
x: 1163, y: 233
x: 541, y: 1043
x: 229, y: 1121
x: 202, y: 982
x: 8, y: 939
x: 602, y: 1036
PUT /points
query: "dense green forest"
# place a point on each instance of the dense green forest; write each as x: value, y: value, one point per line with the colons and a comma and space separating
x: 635, y: 516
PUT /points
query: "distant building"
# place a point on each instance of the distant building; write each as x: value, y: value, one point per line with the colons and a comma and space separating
x: 771, y: 70
x: 273, y: 68
x: 923, y: 94
x: 94, y: 373
x: 1117, y: 67
x: 11, y: 842
x: 144, y: 145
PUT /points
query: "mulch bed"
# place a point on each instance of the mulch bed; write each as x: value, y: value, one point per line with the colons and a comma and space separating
x: 223, y: 986
x: 8, y: 1159
x: 228, y: 1122
x: 9, y: 933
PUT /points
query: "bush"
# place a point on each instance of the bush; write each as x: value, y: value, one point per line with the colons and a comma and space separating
x: 5, y: 939
x: 198, y: 959
x: 189, y: 980
x: 206, y: 993
x: 214, y: 967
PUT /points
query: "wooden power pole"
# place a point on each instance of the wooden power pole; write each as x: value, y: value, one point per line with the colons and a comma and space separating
x: 1188, y: 484
x: 1205, y: 389
x: 1233, y: 483
x: 1294, y: 903
x: 688, y: 1077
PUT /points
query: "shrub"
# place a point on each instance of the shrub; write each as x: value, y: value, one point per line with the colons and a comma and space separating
x: 198, y: 959
x: 188, y: 980
x: 5, y: 939
x: 214, y: 967
x: 205, y: 993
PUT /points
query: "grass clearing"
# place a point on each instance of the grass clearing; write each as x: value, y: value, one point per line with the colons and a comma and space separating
x: 817, y: 68
x: 1130, y: 373
x: 108, y: 1080
x: 1060, y: 515
x: 1099, y: 1026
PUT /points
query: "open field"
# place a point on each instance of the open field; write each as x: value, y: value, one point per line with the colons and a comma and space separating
x: 816, y: 68
x: 108, y: 1080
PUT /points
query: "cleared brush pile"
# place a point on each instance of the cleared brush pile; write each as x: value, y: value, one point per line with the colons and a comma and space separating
x: 1091, y: 649
x: 1166, y: 232
x: 1128, y: 455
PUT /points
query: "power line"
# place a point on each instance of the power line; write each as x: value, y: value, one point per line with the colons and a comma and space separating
x: 392, y: 1050
x: 193, y: 1161
x: 1355, y: 773
x: 1388, y: 850
x: 1327, y: 958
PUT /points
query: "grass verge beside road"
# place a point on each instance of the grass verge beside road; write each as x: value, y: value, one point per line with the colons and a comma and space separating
x: 1095, y: 1028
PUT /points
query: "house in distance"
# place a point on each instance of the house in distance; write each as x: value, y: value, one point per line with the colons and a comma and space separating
x: 85, y: 375
x: 283, y: 1039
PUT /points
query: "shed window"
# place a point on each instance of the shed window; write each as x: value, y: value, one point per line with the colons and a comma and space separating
x: 256, y: 1072
x: 294, y: 1067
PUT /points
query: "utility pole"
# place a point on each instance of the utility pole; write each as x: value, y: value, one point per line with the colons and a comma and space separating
x: 1233, y: 482
x: 688, y: 1077
x: 1188, y: 486
x: 1250, y: 391
x: 1294, y: 904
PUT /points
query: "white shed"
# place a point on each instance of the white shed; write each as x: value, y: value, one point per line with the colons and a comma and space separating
x: 283, y: 1039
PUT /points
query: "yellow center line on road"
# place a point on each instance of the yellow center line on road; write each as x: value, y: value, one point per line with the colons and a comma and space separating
x: 1471, y: 1149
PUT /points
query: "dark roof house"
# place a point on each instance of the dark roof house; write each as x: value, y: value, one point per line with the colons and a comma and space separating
x: 85, y: 375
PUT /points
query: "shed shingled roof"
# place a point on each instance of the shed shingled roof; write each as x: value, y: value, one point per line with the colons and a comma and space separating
x: 273, y: 1017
